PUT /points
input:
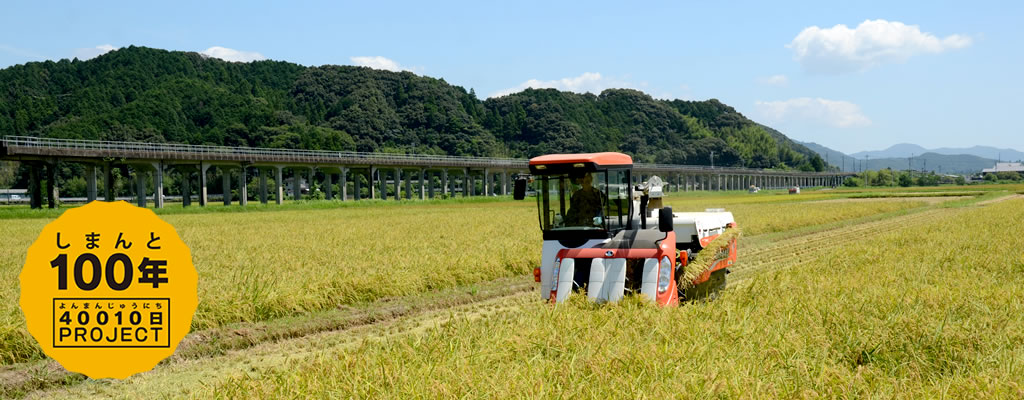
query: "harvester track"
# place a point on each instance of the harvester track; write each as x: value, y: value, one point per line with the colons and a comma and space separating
x: 803, y: 248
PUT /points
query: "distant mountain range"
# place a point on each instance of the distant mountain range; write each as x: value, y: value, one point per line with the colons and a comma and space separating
x: 905, y: 150
x: 897, y: 157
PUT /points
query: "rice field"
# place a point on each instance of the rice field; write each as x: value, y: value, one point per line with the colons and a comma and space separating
x: 264, y: 269
x: 260, y: 266
x: 931, y: 310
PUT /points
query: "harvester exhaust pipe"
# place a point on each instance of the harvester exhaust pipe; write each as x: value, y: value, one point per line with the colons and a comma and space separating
x: 645, y: 197
x: 643, y: 210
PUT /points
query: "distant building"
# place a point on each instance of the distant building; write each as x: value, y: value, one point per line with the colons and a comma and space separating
x: 1005, y: 167
x: 13, y: 195
x: 303, y: 186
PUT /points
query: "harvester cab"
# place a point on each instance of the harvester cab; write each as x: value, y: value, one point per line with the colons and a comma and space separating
x: 606, y: 237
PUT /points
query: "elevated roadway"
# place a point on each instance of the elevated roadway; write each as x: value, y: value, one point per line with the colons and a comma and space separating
x: 301, y: 170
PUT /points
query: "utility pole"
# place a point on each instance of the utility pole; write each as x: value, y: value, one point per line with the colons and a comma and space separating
x: 712, y: 160
x: 869, y: 160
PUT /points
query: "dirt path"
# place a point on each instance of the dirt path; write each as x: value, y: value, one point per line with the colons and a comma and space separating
x: 998, y: 199
x: 925, y: 199
x: 237, y: 342
x: 180, y: 379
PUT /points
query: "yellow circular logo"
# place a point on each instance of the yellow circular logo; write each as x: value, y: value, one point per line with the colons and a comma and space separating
x: 108, y: 290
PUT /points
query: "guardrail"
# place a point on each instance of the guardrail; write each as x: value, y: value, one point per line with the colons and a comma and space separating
x: 201, y: 152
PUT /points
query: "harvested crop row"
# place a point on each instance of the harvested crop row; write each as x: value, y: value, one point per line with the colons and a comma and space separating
x: 787, y: 249
x: 770, y: 217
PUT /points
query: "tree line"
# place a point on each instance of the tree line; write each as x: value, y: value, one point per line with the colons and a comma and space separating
x: 144, y: 94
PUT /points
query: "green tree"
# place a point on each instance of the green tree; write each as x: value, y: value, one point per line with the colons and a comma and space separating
x: 905, y: 180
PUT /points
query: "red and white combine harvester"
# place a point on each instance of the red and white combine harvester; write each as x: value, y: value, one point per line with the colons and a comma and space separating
x: 606, y: 237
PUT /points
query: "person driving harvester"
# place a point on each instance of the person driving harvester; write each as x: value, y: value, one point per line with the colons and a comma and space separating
x: 585, y: 203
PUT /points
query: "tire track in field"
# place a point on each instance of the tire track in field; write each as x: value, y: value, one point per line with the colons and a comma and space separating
x: 191, y: 377
x: 391, y: 315
x: 799, y: 249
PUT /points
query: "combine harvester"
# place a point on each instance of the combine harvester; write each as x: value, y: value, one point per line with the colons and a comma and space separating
x: 607, y: 238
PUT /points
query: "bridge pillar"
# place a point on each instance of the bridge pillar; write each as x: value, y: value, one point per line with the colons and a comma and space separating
x: 186, y: 189
x: 158, y: 184
x: 243, y: 187
x: 52, y: 193
x: 466, y: 181
x: 504, y: 182
x: 203, y: 195
x: 35, y: 188
x: 444, y: 182
x: 408, y: 186
x: 225, y: 179
x: 140, y: 187
x: 355, y: 187
x: 279, y: 182
x: 296, y: 184
x: 328, y: 190
x: 312, y: 178
x: 382, y: 176
x: 90, y: 182
x: 430, y: 185
x: 423, y: 195
x: 370, y: 184
x: 487, y: 182
x: 263, y: 184
x: 343, y: 183
x: 398, y: 184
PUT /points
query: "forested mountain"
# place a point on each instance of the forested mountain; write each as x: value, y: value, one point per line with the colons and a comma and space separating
x: 142, y: 94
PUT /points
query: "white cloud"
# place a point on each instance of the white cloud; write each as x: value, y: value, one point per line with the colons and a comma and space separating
x: 592, y: 82
x: 837, y: 113
x: 378, y: 62
x: 233, y: 55
x: 841, y: 49
x: 93, y: 52
x: 774, y: 80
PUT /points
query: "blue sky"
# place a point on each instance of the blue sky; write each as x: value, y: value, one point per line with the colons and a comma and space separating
x: 931, y: 73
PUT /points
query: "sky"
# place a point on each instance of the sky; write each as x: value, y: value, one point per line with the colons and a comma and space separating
x: 852, y: 76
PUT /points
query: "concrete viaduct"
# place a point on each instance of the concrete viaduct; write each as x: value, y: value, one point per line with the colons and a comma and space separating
x: 192, y: 163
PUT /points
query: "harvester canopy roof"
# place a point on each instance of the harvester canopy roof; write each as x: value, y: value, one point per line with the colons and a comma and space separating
x: 606, y: 158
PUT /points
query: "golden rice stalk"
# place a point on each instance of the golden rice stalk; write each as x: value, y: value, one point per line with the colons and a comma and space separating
x: 705, y: 258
